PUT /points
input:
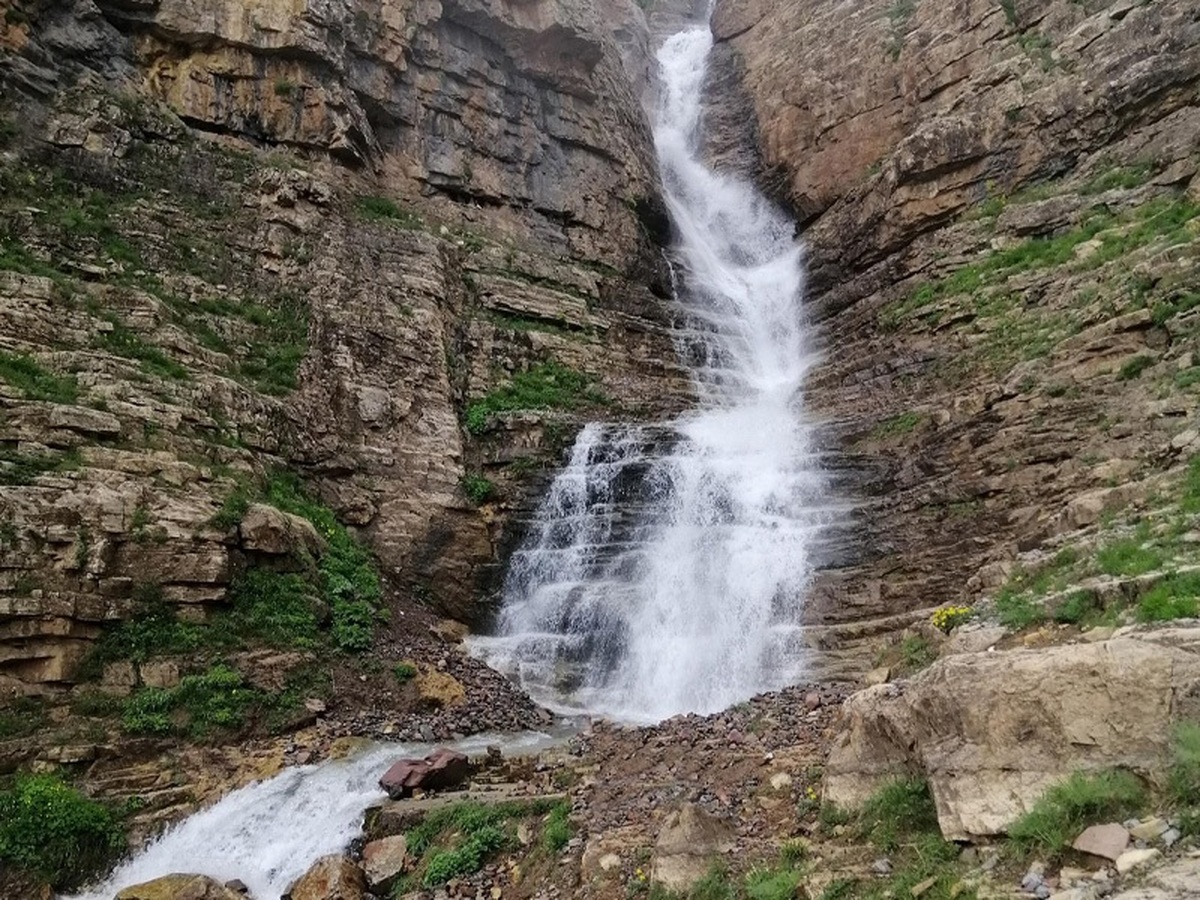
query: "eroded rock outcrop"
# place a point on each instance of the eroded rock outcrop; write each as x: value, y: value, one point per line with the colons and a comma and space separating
x: 984, y: 191
x: 992, y: 731
x: 469, y: 195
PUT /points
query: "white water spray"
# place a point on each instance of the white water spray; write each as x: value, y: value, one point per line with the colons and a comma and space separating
x: 270, y: 832
x: 668, y: 564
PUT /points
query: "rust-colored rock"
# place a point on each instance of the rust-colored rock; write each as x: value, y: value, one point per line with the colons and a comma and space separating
x: 440, y: 770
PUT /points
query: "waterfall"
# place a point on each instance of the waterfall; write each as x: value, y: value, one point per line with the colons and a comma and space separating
x: 268, y: 833
x: 667, y: 566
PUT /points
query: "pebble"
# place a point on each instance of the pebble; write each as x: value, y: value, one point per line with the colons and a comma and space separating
x: 882, y: 866
x: 1171, y: 836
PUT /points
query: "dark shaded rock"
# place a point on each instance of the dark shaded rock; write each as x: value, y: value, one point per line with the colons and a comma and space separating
x: 440, y: 770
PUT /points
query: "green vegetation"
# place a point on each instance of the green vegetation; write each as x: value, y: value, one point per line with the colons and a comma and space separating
x: 1130, y: 556
x: 285, y: 87
x: 1075, y: 608
x: 1175, y: 597
x: 1135, y: 367
x: 477, y: 488
x: 35, y: 383
x: 218, y: 699
x: 1067, y: 808
x: 266, y: 607
x: 916, y: 653
x: 1162, y: 221
x: 557, y: 832
x: 404, y: 671
x: 547, y: 386
x: 898, y: 809
x: 1166, y: 310
x: 22, y: 468
x: 898, y: 15
x: 895, y: 426
x: 123, y: 341
x: 1121, y: 178
x: 22, y: 716
x: 1183, y: 782
x: 50, y: 828
x: 381, y: 209
x: 459, y: 839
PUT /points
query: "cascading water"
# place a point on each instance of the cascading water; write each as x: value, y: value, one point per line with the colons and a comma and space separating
x: 668, y: 564
x: 268, y: 833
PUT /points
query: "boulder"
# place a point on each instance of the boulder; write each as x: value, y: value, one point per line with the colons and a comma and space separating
x: 383, y: 861
x: 440, y: 689
x: 180, y: 887
x: 687, y: 842
x: 440, y: 770
x: 1106, y: 841
x: 992, y: 731
x: 265, y: 529
x: 333, y: 877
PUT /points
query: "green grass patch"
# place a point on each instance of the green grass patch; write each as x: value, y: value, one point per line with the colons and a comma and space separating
x: 459, y: 839
x: 35, y: 383
x: 1160, y: 221
x: 899, y: 809
x: 897, y: 426
x: 217, y: 700
x: 1130, y: 556
x: 22, y: 468
x: 1075, y: 608
x: 1165, y: 311
x: 916, y: 653
x: 273, y: 608
x: 381, y: 209
x: 21, y: 717
x: 557, y: 831
x: 547, y: 386
x: 1121, y: 178
x: 1134, y: 367
x: 1068, y: 808
x: 1175, y: 597
x: 1189, y: 499
x: 1183, y: 780
x: 123, y: 341
x: 477, y: 488
x: 404, y: 672
x: 49, y: 828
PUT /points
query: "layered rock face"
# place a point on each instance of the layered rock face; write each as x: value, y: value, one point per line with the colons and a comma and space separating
x: 999, y: 202
x: 240, y: 238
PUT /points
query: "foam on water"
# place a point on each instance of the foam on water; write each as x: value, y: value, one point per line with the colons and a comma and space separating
x: 269, y: 832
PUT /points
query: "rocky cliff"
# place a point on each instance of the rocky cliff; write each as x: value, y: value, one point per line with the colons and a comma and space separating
x: 397, y: 248
x: 1000, y: 211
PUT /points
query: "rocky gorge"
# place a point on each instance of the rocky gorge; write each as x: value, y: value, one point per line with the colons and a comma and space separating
x: 303, y: 302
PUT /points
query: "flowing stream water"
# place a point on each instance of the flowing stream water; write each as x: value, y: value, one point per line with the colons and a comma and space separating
x: 668, y: 564
x: 270, y: 832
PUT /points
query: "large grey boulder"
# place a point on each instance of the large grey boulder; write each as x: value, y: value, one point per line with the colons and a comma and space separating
x: 992, y: 731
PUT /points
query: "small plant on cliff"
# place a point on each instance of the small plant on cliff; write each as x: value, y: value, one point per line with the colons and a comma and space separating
x: 550, y: 385
x: 557, y: 831
x: 949, y: 617
x: 26, y: 375
x: 477, y: 488
x: 1183, y: 782
x: 1067, y: 808
x: 285, y: 87
x: 404, y: 672
x: 51, y: 829
x: 381, y: 209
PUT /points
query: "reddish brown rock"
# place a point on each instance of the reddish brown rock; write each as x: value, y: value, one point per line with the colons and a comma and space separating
x: 440, y: 770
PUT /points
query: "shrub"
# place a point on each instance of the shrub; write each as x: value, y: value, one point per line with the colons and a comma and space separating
x: 1017, y: 611
x: 1073, y: 608
x: 1067, y: 808
x: 404, y: 671
x: 477, y: 488
x: 467, y: 857
x: 1129, y: 556
x: 915, y: 653
x: 381, y: 209
x: 1135, y: 367
x: 50, y: 828
x: 276, y: 608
